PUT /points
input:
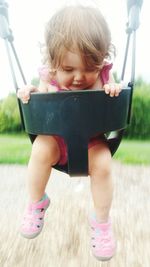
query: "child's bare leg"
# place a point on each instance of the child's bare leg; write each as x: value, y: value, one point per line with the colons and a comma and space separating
x: 101, y: 182
x: 45, y: 154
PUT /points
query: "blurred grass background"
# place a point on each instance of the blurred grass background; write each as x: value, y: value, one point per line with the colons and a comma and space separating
x: 16, y: 148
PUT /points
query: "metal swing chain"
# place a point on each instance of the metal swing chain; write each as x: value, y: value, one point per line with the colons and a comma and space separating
x: 6, y: 34
x: 134, y: 8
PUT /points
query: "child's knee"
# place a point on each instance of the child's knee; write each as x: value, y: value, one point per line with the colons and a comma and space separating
x: 45, y: 150
x: 101, y: 163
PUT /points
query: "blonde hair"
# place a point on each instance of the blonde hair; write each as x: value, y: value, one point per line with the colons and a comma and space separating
x: 78, y: 28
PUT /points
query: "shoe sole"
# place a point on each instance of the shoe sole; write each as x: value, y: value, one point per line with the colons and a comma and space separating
x: 103, y: 258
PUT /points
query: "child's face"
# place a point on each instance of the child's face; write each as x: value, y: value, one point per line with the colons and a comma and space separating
x: 74, y: 75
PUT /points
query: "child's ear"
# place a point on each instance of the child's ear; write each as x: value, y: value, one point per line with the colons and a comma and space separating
x: 103, y: 64
x: 52, y: 73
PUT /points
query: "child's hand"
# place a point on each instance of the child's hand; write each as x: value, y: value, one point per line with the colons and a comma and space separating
x: 113, y: 89
x: 24, y: 93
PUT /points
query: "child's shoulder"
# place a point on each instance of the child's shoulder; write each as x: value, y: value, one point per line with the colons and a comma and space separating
x: 44, y: 73
x: 105, y: 71
x: 107, y: 66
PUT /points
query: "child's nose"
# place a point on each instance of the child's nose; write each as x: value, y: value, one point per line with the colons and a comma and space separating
x: 79, y: 76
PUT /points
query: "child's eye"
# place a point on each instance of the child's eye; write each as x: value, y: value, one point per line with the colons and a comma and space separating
x: 68, y: 70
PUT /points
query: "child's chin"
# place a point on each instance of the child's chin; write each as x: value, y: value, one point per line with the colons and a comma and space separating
x: 76, y: 88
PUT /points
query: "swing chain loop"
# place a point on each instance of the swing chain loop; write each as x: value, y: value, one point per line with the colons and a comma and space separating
x: 5, y: 31
x: 134, y: 8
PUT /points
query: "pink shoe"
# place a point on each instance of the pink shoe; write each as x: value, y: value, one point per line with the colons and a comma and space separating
x: 102, y: 240
x: 33, y: 219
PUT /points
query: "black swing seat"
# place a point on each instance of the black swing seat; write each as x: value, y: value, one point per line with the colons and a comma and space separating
x: 77, y: 116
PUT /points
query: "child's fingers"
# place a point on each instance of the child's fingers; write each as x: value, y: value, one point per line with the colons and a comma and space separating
x: 24, y: 93
x: 25, y: 99
x: 107, y: 88
x: 110, y: 89
x: 113, y: 89
x: 118, y: 88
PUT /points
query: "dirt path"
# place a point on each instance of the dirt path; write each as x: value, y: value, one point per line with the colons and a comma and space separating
x: 64, y: 241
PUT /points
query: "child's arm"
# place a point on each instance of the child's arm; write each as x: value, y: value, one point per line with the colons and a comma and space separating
x: 44, y: 86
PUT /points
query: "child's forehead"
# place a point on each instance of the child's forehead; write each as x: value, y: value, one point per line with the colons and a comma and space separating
x: 72, y: 58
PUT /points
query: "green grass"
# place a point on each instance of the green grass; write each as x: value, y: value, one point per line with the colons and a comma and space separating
x: 134, y: 152
x: 16, y: 148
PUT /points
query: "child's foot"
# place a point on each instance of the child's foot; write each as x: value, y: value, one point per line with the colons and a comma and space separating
x: 102, y: 240
x: 33, y: 219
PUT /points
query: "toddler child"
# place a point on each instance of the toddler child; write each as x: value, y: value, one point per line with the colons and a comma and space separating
x: 78, y: 57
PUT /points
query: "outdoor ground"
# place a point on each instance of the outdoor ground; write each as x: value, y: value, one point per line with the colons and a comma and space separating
x: 64, y: 241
